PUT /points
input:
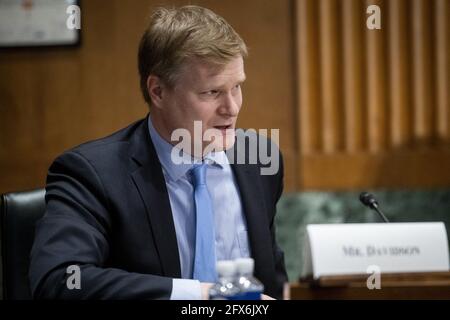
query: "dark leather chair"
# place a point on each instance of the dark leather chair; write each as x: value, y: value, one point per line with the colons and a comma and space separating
x: 19, y: 213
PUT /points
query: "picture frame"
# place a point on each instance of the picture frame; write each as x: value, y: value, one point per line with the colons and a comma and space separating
x: 37, y: 23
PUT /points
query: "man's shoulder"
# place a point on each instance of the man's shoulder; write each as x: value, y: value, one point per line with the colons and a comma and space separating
x: 113, y: 142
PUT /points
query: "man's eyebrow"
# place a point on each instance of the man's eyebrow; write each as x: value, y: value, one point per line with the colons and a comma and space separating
x: 239, y: 81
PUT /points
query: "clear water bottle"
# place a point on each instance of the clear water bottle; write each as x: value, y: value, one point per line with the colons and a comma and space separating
x: 249, y: 287
x: 225, y: 288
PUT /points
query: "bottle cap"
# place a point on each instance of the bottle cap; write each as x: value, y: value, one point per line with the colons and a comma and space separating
x: 226, y: 268
x: 245, y: 265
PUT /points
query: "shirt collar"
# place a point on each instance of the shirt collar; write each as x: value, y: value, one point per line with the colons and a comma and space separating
x: 174, y: 170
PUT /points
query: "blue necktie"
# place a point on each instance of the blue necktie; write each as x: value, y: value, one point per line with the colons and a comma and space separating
x: 205, y: 251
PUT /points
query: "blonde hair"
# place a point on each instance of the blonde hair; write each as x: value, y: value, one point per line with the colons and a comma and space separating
x: 176, y: 34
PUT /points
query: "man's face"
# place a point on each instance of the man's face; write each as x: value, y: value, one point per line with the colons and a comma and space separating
x: 208, y: 93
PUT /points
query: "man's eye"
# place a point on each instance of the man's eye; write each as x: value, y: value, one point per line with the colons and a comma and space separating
x: 236, y: 87
x: 211, y: 92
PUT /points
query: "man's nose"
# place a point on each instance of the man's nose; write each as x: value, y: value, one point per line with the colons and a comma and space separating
x: 230, y: 105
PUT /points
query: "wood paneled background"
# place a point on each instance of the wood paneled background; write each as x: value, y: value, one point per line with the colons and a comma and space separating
x: 373, y: 105
x: 355, y: 107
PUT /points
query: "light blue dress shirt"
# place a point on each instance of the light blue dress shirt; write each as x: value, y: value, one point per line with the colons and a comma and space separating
x: 230, y: 226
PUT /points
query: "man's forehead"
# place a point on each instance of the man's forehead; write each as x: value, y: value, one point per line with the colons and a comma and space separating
x: 208, y: 69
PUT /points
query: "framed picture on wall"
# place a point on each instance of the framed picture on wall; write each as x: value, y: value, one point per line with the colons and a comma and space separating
x: 35, y: 23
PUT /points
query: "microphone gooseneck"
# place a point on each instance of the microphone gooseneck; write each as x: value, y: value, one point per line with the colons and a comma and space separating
x: 369, y: 200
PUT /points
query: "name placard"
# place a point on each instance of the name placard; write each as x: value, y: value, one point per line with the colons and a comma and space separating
x: 340, y: 249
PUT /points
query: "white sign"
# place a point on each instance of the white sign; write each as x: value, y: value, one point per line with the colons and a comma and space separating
x: 340, y: 249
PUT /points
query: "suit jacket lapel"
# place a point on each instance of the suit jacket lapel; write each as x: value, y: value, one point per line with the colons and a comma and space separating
x: 248, y: 180
x: 150, y: 182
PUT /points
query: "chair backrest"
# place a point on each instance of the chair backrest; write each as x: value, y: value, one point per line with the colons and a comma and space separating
x: 19, y: 214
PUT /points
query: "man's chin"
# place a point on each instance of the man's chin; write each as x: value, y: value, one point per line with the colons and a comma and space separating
x: 229, y: 141
x: 220, y: 143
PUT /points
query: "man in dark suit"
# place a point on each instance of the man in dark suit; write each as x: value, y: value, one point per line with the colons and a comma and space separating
x: 127, y: 211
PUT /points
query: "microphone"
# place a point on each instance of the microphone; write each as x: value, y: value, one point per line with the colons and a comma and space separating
x: 369, y: 200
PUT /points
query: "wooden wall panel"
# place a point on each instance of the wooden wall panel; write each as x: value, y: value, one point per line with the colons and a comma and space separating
x: 352, y: 79
x: 382, y: 95
x: 309, y: 80
x: 442, y: 67
x: 330, y: 70
x: 422, y: 70
x: 376, y: 101
x: 399, y: 80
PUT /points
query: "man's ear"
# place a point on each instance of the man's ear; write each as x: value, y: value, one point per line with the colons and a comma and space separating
x: 154, y: 89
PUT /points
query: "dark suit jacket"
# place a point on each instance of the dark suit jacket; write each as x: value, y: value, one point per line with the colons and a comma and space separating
x: 108, y: 212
